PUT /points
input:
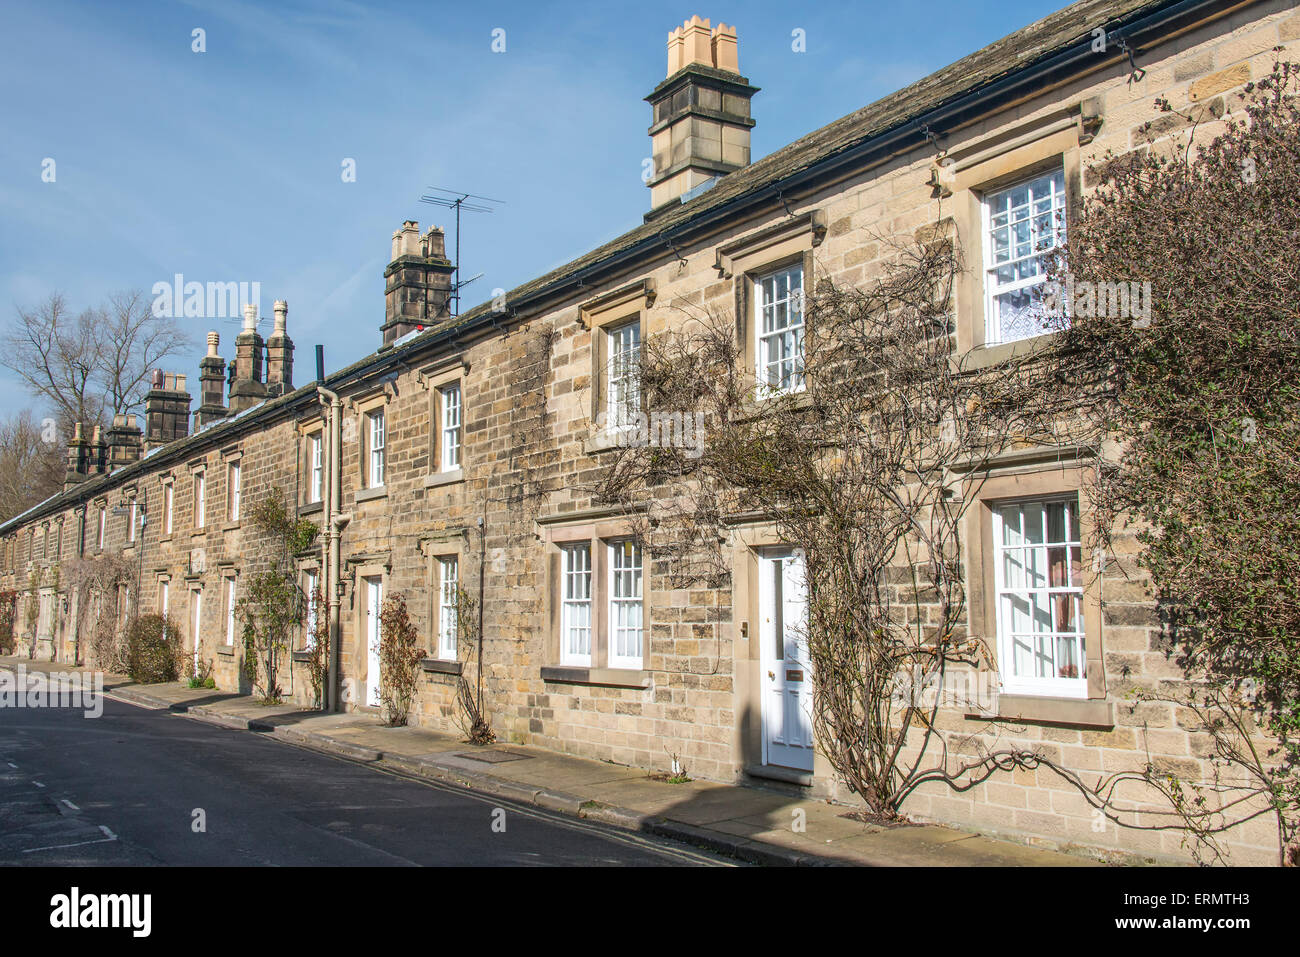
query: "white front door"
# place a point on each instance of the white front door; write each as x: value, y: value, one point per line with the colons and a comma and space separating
x: 786, y: 679
x: 374, y: 600
x: 196, y: 603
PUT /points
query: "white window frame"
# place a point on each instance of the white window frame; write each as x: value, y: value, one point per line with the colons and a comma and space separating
x: 1048, y: 685
x: 233, y: 488
x: 448, y: 582
x: 103, y: 522
x: 766, y: 341
x: 311, y: 580
x: 626, y: 594
x: 168, y: 496
x: 576, y: 609
x: 316, y: 466
x: 623, y: 375
x: 164, y: 596
x: 450, y: 400
x: 230, y: 610
x: 200, y: 500
x: 196, y: 620
x: 376, y: 442
x: 130, y: 529
x: 1038, y: 245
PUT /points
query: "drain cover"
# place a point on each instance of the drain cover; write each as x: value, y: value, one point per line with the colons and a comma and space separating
x: 492, y: 757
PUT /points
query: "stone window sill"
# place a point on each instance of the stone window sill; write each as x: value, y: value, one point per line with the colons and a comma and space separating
x: 371, y: 494
x: 227, y: 650
x: 605, y: 677
x: 606, y: 439
x: 302, y: 655
x: 440, y: 666
x: 983, y: 356
x: 230, y: 526
x: 450, y: 477
x: 311, y: 508
x: 1075, y: 712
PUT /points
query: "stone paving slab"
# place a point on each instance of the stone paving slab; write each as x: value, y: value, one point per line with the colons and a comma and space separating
x: 748, y: 822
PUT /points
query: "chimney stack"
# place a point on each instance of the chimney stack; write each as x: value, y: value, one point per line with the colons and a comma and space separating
x: 246, y: 387
x: 78, y: 459
x: 97, y: 454
x: 166, y: 410
x: 279, y: 354
x: 125, y: 440
x: 417, y: 283
x: 700, y: 114
x: 212, y: 384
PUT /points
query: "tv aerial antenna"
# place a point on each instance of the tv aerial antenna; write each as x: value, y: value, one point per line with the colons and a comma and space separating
x: 455, y: 199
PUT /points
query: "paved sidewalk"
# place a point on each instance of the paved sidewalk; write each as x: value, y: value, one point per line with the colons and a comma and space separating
x: 750, y: 823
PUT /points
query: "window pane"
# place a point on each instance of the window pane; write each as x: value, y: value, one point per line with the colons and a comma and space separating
x: 780, y: 341
x: 1040, y: 594
x: 576, y: 611
x: 625, y: 603
x: 624, y: 386
x: 451, y: 419
x: 1025, y: 222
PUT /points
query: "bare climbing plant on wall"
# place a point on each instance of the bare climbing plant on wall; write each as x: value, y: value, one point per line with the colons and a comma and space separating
x: 100, y: 585
x: 871, y: 467
x: 273, y: 605
x: 399, y: 660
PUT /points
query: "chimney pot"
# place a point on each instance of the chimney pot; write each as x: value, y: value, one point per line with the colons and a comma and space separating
x: 250, y: 317
x: 281, y: 316
x: 214, y: 341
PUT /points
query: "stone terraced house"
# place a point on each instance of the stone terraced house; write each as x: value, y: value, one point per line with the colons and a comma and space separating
x: 457, y: 453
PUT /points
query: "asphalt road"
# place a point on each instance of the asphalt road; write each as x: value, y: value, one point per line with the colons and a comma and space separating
x: 130, y: 788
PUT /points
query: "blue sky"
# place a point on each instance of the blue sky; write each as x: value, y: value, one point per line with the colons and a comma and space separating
x: 225, y: 165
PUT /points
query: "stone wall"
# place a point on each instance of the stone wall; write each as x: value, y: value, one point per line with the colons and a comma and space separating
x: 531, y: 456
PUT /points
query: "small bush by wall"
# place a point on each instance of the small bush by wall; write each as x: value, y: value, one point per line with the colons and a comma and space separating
x: 153, y: 649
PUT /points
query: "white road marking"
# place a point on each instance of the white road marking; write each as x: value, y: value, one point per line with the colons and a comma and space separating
x: 107, y: 833
x: 11, y: 764
x: 38, y: 784
x: 71, y: 805
x: 56, y: 847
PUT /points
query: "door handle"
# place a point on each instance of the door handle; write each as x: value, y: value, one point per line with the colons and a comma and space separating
x: 771, y: 676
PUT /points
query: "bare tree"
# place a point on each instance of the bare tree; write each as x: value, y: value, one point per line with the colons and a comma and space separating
x: 31, y: 463
x: 58, y: 356
x: 133, y: 342
x: 94, y: 365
